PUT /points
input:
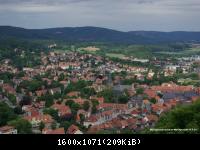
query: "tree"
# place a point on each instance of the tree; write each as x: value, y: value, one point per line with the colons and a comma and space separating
x: 86, y: 105
x: 160, y: 95
x: 52, y: 112
x: 26, y: 100
x: 53, y: 125
x: 65, y: 125
x: 57, y: 95
x: 82, y: 118
x: 48, y: 100
x: 12, y: 98
x: 69, y: 103
x: 87, y: 92
x: 123, y: 99
x: 18, y: 110
x: 139, y: 91
x: 95, y: 103
x: 6, y: 114
x: 153, y: 100
x: 61, y: 77
x: 181, y: 117
x: 22, y: 126
x: 75, y: 106
x: 107, y: 94
x: 41, y: 126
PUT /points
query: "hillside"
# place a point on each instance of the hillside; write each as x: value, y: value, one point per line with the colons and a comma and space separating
x: 183, y: 117
x: 95, y: 34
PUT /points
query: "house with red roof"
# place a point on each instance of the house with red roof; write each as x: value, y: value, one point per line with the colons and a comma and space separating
x: 73, y: 129
x: 8, y: 88
x: 73, y: 94
x: 36, y: 120
x: 56, y: 131
x: 8, y: 130
x: 63, y: 110
x: 92, y: 120
x: 79, y: 101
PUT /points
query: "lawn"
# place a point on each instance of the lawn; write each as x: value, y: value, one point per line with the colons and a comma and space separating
x: 115, y: 55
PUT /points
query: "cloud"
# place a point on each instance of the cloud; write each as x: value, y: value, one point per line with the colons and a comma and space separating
x: 117, y: 14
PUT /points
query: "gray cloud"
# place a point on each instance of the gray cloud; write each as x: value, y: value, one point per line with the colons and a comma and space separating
x: 125, y: 15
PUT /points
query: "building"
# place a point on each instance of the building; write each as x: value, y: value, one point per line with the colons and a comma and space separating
x: 62, y: 110
x: 73, y: 129
x: 56, y: 131
x: 8, y: 130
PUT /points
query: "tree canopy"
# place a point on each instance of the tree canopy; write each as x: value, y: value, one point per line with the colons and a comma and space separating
x: 6, y: 114
x: 182, y: 117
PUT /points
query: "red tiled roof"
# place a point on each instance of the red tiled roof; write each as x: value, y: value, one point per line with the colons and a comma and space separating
x: 62, y: 109
x: 107, y: 113
x: 171, y: 87
x: 152, y: 117
x: 113, y: 106
x: 135, y: 112
x: 92, y: 118
x: 100, y: 100
x: 8, y: 88
x: 56, y: 131
x: 73, y: 93
x: 72, y: 129
x: 43, y: 118
x: 131, y: 121
x: 79, y: 101
x: 6, y: 128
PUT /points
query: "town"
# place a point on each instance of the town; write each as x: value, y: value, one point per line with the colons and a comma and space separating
x: 72, y: 92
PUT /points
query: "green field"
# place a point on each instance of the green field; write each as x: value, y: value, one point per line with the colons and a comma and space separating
x: 191, y: 51
x: 113, y: 55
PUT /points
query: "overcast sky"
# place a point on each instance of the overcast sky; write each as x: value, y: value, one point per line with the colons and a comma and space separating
x: 124, y: 15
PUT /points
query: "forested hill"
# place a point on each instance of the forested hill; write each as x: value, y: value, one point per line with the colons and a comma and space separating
x: 95, y: 34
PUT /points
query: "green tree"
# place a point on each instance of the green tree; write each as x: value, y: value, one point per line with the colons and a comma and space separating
x: 41, y: 126
x: 87, y: 92
x: 6, y: 114
x: 22, y: 126
x: 26, y: 100
x: 49, y: 100
x: 153, y: 100
x: 95, y: 103
x: 61, y: 77
x: 82, y: 118
x: 75, y: 106
x: 18, y: 110
x: 12, y: 98
x: 69, y: 103
x: 182, y: 117
x: 54, y: 125
x: 52, y: 112
x: 139, y: 91
x: 123, y: 99
x: 86, y: 105
x: 65, y: 125
x: 107, y: 94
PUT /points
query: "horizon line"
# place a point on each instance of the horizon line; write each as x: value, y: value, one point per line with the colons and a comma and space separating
x: 26, y: 28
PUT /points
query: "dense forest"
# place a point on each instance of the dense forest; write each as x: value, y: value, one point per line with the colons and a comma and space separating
x: 95, y: 34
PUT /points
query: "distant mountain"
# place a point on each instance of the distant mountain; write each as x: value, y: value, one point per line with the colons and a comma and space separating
x: 95, y: 34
